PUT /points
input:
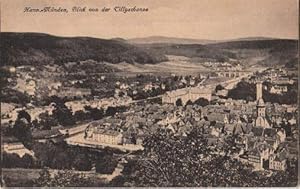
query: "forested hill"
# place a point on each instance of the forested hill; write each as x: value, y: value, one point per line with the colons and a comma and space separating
x: 276, y: 44
x: 37, y: 48
x: 268, y: 52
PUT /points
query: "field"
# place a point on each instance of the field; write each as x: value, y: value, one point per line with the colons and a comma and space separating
x: 176, y: 64
x: 15, y: 177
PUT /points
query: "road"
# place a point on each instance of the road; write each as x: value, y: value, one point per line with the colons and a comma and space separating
x: 32, y: 174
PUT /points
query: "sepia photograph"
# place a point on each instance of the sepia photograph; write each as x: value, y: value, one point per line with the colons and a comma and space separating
x: 149, y: 93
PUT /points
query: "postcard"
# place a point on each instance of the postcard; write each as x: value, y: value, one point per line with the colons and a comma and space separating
x: 149, y: 93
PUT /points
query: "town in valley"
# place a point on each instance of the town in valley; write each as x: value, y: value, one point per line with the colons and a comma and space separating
x: 185, y: 117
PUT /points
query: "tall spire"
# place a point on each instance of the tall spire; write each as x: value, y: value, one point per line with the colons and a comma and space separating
x: 258, y: 90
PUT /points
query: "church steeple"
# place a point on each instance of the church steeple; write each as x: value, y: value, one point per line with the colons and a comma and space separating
x: 261, y: 120
x: 258, y: 90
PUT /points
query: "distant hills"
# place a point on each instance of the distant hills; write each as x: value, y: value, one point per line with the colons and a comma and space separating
x: 175, y: 40
x: 168, y: 40
x: 37, y: 48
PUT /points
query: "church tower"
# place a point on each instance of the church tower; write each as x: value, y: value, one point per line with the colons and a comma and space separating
x: 261, y: 120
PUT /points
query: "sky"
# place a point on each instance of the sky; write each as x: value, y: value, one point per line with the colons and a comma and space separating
x: 198, y: 19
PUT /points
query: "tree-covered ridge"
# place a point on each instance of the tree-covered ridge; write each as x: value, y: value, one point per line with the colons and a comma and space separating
x: 270, y: 52
x: 37, y: 49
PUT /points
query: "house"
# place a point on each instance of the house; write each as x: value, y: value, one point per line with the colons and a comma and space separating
x: 140, y: 137
x: 222, y: 93
x: 216, y: 130
x: 282, y: 81
x: 13, y: 145
x: 278, y: 89
x: 192, y: 82
x: 129, y: 138
x: 212, y: 140
x: 170, y: 128
x: 293, y: 121
x: 278, y: 162
x: 267, y: 134
x: 240, y: 128
x: 282, y: 135
x: 105, y: 136
x: 256, y: 131
x: 259, y: 154
x: 218, y: 117
x: 26, y: 85
x: 148, y: 87
x: 170, y: 119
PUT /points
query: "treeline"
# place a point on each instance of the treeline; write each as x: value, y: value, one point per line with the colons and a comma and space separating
x: 247, y: 91
x: 243, y: 90
x: 275, y: 44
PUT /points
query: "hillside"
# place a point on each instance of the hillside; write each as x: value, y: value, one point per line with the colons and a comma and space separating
x: 278, y: 44
x: 36, y: 49
x: 263, y: 51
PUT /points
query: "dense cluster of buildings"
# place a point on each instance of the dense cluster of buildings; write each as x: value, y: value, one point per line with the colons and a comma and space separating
x: 103, y: 103
x: 261, y: 142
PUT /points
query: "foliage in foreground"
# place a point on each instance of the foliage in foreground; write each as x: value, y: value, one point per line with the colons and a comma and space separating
x: 188, y: 161
x: 64, y: 178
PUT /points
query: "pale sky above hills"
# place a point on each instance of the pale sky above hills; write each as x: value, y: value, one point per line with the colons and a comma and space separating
x: 200, y: 19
